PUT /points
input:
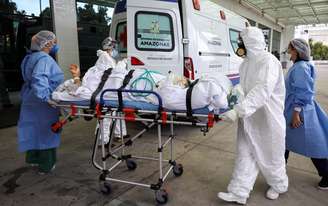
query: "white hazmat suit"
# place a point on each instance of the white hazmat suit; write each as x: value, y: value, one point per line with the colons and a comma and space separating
x: 104, y: 60
x: 261, y: 123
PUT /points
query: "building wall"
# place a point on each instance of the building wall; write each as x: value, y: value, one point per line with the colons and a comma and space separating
x: 319, y: 36
x: 234, y: 6
x: 287, y: 35
x: 65, y: 27
x: 287, y: 32
x: 79, y: 38
x: 318, y: 33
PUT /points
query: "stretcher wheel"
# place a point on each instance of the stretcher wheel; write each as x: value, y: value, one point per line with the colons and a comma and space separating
x: 161, y: 196
x: 88, y: 111
x: 105, y: 188
x: 132, y: 165
x: 178, y: 170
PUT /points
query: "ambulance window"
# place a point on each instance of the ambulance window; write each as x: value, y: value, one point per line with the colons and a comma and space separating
x: 154, y: 31
x: 234, y: 35
x: 121, y: 37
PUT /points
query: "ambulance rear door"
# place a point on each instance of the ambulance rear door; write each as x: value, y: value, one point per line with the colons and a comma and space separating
x: 155, y: 35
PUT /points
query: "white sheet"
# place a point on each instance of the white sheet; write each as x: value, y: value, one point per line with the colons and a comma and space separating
x: 209, y: 91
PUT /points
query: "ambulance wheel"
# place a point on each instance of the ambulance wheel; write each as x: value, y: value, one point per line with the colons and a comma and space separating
x: 161, y: 196
x: 131, y: 164
x: 105, y: 188
x: 178, y: 170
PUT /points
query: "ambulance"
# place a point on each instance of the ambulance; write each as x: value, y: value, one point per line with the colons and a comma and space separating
x: 186, y: 37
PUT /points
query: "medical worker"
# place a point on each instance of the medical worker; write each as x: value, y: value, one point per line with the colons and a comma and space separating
x: 307, y: 123
x: 41, y: 75
x: 261, y: 122
x: 109, y: 56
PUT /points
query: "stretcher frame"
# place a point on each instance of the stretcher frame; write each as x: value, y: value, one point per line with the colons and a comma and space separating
x: 120, y: 113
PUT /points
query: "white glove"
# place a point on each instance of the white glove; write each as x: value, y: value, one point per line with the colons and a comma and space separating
x: 52, y: 103
x: 229, y: 116
x: 239, y: 92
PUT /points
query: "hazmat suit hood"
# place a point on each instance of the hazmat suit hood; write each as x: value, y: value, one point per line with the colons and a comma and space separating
x: 254, y: 41
x: 105, y: 61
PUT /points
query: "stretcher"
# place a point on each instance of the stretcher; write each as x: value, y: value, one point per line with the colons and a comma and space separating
x: 150, y: 116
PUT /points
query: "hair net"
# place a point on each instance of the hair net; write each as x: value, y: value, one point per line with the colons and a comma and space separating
x: 302, y: 48
x: 108, y: 43
x: 40, y: 40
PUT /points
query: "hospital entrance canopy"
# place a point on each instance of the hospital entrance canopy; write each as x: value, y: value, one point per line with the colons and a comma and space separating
x: 292, y: 12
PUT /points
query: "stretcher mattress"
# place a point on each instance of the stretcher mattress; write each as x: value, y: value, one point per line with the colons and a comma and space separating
x: 135, y: 105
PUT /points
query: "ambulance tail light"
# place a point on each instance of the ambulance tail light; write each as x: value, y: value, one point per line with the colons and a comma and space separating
x: 188, y: 71
x: 196, y: 4
x: 136, y: 62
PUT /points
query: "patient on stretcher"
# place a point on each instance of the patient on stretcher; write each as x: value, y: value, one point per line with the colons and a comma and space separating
x: 207, y: 91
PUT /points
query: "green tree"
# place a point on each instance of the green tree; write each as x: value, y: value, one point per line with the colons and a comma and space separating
x: 311, y: 44
x: 46, y: 13
x: 88, y: 14
x: 319, y: 51
x: 325, y: 53
x: 102, y: 15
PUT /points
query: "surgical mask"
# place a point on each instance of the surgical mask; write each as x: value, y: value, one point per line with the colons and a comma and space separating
x: 54, y: 50
x: 241, y: 50
x: 114, y: 54
x: 289, y: 56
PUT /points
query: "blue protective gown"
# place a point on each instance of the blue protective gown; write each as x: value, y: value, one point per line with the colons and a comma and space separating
x: 310, y: 139
x: 41, y: 76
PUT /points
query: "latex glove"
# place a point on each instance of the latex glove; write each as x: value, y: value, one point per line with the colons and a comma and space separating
x: 229, y: 116
x: 239, y: 92
x: 75, y: 70
x: 52, y: 103
x: 236, y: 96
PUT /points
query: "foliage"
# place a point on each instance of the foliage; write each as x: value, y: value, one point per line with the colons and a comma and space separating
x: 319, y: 51
x: 88, y: 14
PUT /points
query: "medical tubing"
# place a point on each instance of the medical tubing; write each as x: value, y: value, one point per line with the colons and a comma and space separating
x: 146, y: 76
x: 135, y: 82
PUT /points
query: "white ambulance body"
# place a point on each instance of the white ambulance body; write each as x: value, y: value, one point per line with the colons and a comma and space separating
x: 187, y: 37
